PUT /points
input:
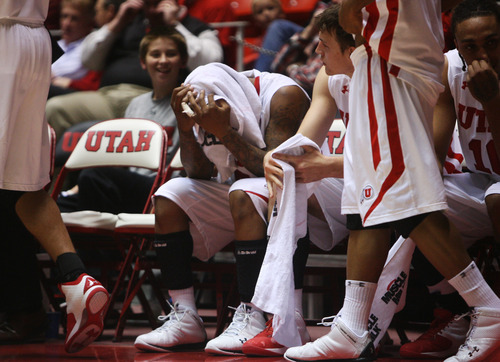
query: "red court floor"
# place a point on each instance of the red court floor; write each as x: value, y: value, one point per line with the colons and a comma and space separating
x: 105, y: 349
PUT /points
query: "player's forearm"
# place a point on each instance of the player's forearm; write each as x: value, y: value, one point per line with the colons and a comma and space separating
x: 334, y: 167
x: 194, y: 161
x: 248, y: 155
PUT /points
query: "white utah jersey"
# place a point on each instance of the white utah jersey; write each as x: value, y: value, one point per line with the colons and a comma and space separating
x: 338, y: 85
x: 407, y: 34
x: 28, y: 12
x: 474, y: 133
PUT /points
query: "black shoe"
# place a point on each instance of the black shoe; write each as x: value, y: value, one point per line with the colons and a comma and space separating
x: 17, y: 328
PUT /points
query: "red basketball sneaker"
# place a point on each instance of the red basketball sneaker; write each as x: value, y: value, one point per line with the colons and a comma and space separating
x: 441, y: 340
x: 263, y: 344
x: 86, y: 301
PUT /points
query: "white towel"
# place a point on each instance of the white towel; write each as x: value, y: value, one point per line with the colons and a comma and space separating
x: 274, y: 292
x: 236, y: 89
x: 390, y: 296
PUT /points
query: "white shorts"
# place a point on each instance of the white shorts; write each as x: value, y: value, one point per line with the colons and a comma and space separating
x: 206, y: 203
x: 24, y: 85
x: 467, y: 210
x: 389, y: 163
x: 328, y: 192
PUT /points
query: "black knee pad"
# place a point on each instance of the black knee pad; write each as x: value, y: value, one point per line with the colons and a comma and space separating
x: 249, y: 257
x: 174, y: 252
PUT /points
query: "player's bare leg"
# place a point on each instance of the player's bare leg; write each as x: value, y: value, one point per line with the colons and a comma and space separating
x: 86, y: 298
x: 169, y: 217
x: 493, y: 205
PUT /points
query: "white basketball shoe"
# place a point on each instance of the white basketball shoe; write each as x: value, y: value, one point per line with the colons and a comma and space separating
x: 183, y: 329
x: 483, y: 338
x: 340, y: 343
x: 245, y: 325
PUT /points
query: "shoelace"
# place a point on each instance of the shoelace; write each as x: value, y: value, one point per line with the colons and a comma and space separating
x: 327, y: 321
x: 268, y: 331
x: 170, y: 318
x: 437, y: 326
x: 473, y: 317
x: 240, y: 321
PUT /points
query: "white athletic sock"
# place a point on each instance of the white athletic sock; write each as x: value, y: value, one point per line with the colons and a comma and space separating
x: 298, y: 300
x: 357, y: 305
x: 471, y: 285
x: 184, y: 297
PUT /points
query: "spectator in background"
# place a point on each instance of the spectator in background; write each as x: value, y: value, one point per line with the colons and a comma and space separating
x: 105, y: 11
x: 52, y: 21
x: 297, y: 58
x: 216, y: 11
x: 113, y: 49
x: 269, y: 16
x: 77, y: 21
x: 163, y: 54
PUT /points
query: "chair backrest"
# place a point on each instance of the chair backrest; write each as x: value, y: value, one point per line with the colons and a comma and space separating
x: 335, y: 138
x: 122, y: 142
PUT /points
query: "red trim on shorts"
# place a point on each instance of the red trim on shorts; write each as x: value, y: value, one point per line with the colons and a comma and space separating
x: 388, y: 34
x: 398, y: 165
x: 257, y: 85
x: 266, y: 199
x: 372, y: 115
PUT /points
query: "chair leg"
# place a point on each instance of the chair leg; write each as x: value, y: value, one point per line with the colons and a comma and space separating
x: 120, y: 326
x: 223, y: 312
x: 124, y: 270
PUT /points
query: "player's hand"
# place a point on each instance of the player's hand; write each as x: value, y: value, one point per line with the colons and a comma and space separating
x: 273, y: 173
x: 350, y: 17
x: 213, y: 116
x: 180, y: 94
x: 482, y: 81
x: 309, y: 167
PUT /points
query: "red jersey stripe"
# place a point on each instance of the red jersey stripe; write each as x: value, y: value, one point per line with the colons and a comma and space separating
x: 387, y: 36
x: 371, y: 24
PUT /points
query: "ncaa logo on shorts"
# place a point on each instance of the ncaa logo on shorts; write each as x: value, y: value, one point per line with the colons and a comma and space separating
x: 367, y: 193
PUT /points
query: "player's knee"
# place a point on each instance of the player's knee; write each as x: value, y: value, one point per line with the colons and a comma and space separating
x: 493, y: 205
x: 241, y: 206
x: 169, y: 217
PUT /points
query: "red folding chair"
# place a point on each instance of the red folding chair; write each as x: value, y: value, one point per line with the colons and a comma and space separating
x: 123, y: 142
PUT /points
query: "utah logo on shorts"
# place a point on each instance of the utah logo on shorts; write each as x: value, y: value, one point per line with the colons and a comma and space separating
x: 367, y: 194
